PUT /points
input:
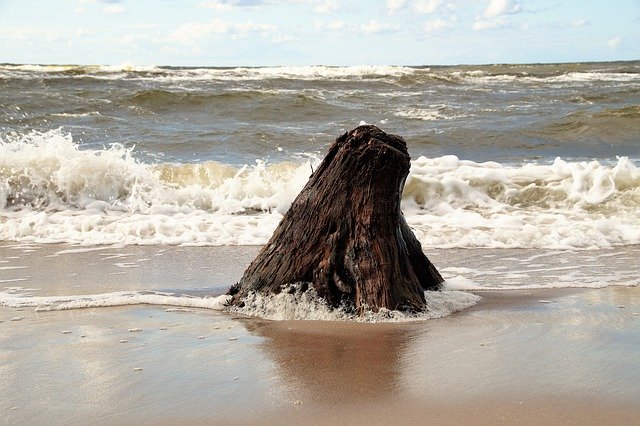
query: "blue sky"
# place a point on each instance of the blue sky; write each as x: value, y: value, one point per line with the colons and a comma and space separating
x: 311, y: 32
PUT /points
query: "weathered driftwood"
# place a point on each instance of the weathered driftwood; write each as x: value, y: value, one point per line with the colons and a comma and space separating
x: 345, y: 235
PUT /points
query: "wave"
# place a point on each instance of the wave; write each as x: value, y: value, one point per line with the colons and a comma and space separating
x: 86, y: 68
x: 458, y: 203
x: 570, y: 77
x: 432, y: 113
x: 294, y: 305
x: 51, y: 190
x: 403, y: 75
x: 609, y: 123
x: 76, y: 114
x: 630, y: 112
x: 267, y: 101
x: 17, y: 299
x: 168, y: 98
x: 195, y: 74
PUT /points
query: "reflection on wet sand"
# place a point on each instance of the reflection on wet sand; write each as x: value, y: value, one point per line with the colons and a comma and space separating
x: 333, y: 363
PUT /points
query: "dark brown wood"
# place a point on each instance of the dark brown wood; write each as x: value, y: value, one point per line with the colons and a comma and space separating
x: 345, y: 234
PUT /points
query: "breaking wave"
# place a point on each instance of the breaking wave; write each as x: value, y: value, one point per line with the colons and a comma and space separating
x: 403, y: 75
x: 51, y: 190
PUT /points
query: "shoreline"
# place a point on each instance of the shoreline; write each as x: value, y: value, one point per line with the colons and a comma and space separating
x: 441, y: 385
x: 544, y: 355
x: 516, y: 358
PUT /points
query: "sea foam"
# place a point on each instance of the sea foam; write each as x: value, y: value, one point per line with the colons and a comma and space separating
x: 305, y: 305
x: 457, y: 203
x: 20, y: 300
x: 51, y: 190
x: 405, y: 74
x: 295, y: 305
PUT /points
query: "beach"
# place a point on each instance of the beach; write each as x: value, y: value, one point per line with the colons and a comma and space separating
x: 133, y: 197
x: 554, y: 356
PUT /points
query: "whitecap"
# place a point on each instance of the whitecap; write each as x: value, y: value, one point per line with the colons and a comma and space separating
x: 53, y: 191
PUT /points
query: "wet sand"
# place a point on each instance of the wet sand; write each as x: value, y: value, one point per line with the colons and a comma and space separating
x: 530, y: 356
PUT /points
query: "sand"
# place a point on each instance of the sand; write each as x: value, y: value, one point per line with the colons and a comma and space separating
x: 545, y: 356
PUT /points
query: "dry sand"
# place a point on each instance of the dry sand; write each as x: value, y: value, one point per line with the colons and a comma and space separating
x: 518, y: 357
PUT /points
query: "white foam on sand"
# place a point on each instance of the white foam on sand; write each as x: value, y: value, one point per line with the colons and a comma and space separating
x: 21, y: 300
x: 295, y: 305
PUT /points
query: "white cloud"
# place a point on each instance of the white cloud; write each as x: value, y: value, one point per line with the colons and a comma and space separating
x: 483, y: 24
x: 319, y: 6
x: 375, y: 27
x: 251, y: 27
x: 492, y: 16
x: 438, y: 25
x: 111, y: 6
x: 227, y: 5
x: 327, y: 6
x: 614, y: 42
x: 82, y: 32
x: 394, y: 5
x: 186, y: 33
x: 372, y: 26
x: 127, y: 40
x: 27, y: 34
x: 426, y: 6
x: 330, y: 26
x: 217, y: 5
x: 495, y: 8
x: 282, y: 38
x: 579, y: 23
x: 114, y: 9
x: 192, y: 31
x: 422, y: 7
x: 501, y: 7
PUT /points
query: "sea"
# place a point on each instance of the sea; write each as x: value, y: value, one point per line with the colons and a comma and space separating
x: 537, y: 163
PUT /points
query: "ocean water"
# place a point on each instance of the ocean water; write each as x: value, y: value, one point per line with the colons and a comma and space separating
x: 531, y: 157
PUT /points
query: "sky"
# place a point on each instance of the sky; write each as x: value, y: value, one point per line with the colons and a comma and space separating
x: 317, y: 32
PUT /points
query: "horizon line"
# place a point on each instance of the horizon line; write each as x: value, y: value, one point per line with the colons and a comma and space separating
x: 462, y: 64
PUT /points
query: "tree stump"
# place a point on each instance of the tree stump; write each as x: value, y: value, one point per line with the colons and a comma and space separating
x: 345, y: 234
